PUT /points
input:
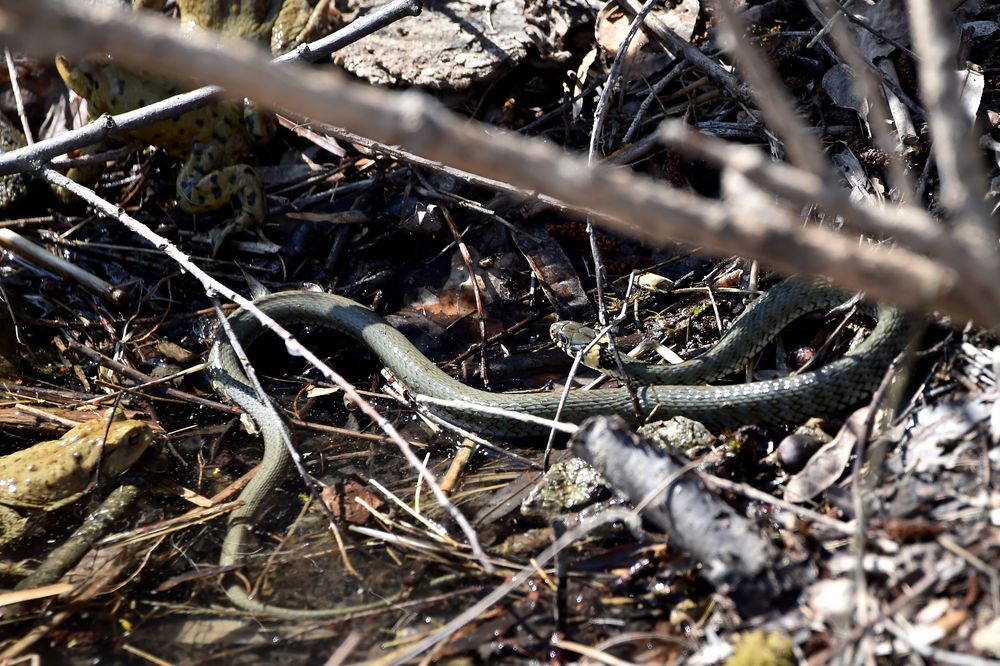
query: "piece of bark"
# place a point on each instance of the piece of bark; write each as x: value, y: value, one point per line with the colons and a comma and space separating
x: 555, y: 272
x: 738, y: 558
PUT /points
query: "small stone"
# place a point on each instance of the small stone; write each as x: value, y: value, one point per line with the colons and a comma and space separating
x: 832, y: 601
x: 568, y: 486
x: 680, y: 435
x: 795, y: 450
x: 756, y: 648
x: 987, y: 638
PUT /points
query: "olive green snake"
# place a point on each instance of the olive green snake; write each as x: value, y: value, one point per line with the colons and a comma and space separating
x: 825, y: 391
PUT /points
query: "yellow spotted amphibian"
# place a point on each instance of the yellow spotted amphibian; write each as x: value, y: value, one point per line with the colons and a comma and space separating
x: 209, y: 142
x: 53, y: 474
x: 284, y: 24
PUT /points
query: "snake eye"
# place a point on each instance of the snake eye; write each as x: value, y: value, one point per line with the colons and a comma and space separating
x: 571, y: 336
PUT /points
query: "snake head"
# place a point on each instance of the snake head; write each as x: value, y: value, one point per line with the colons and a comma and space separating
x: 576, y: 339
x: 571, y: 336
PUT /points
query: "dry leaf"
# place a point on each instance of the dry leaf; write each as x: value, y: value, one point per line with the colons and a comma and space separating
x: 340, y: 499
x: 641, y: 60
x: 824, y: 468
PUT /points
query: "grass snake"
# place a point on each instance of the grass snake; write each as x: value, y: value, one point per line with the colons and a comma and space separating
x: 824, y: 391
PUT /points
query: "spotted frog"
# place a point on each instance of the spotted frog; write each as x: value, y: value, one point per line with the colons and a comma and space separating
x: 56, y: 473
x: 211, y: 141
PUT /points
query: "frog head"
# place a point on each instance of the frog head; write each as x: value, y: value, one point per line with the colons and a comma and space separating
x: 126, y: 441
x: 281, y: 23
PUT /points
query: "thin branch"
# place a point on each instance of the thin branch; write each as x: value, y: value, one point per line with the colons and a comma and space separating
x: 682, y: 48
x: 907, y: 225
x: 870, y: 90
x: 212, y: 285
x: 803, y: 149
x: 955, y: 150
x: 177, y: 105
x: 593, y: 150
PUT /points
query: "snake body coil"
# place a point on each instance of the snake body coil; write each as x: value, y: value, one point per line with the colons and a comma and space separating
x: 825, y: 391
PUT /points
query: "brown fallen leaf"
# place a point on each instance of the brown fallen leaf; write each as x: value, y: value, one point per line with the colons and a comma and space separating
x: 340, y: 499
x: 641, y: 60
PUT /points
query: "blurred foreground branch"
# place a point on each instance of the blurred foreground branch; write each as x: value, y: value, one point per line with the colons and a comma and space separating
x: 632, y: 204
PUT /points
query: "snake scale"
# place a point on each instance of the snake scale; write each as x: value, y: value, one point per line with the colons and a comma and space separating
x: 824, y: 391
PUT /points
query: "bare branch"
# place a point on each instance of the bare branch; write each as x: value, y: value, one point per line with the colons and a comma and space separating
x: 870, y: 89
x: 684, y: 49
x: 955, y: 150
x: 771, y: 96
x: 632, y: 204
x: 908, y: 225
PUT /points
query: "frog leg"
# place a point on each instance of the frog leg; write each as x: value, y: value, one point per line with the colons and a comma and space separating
x: 260, y: 125
x: 86, y: 175
x: 204, y: 184
x: 12, y: 526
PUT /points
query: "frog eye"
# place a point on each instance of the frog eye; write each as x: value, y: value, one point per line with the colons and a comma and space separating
x: 138, y: 439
